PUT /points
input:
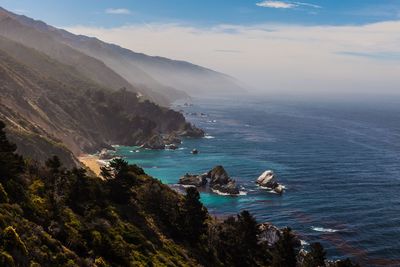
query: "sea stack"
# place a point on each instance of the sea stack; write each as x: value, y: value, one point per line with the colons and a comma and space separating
x: 193, y: 179
x: 268, y: 180
x: 221, y: 182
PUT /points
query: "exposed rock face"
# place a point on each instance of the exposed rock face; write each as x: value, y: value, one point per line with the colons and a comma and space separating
x: 218, y: 175
x: 220, y: 181
x: 192, y: 131
x: 155, y: 142
x: 172, y: 139
x: 269, y: 234
x: 268, y: 179
x: 230, y: 188
x: 192, y: 179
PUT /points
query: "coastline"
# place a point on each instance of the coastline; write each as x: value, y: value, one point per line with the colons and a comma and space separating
x: 91, y: 162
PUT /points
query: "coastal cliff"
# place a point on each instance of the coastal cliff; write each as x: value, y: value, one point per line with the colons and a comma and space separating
x: 52, y: 109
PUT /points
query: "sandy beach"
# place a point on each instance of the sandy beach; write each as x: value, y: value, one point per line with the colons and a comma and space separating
x: 91, y: 162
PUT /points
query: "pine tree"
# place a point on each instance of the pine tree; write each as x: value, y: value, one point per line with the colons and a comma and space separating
x: 316, y: 257
x: 284, y: 254
x: 195, y: 215
x: 11, y: 164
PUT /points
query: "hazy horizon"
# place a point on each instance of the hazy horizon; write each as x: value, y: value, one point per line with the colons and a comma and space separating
x: 274, y: 47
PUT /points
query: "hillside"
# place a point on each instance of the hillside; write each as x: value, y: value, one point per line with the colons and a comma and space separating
x: 53, y: 216
x: 50, y: 104
x: 87, y: 66
x: 170, y: 78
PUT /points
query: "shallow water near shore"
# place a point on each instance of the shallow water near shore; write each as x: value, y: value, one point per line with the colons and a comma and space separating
x: 340, y: 164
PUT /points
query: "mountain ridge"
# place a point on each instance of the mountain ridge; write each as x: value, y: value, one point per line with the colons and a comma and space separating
x: 163, y: 75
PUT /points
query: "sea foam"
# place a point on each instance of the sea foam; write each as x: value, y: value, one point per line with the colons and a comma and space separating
x: 325, y: 230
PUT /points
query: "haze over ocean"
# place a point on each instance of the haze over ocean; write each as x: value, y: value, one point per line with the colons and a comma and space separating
x: 338, y: 161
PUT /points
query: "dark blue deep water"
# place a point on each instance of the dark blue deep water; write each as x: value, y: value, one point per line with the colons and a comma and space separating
x: 340, y: 163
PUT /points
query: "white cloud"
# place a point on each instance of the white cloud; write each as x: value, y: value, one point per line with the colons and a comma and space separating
x: 285, y: 4
x: 271, y: 57
x: 118, y: 11
x: 276, y: 4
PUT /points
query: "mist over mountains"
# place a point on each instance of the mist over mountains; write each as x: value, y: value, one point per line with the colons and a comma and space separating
x: 160, y: 79
x: 65, y: 94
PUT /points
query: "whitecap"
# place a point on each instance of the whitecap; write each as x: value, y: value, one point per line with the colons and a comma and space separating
x: 304, y: 243
x: 137, y: 151
x: 325, y: 230
x: 241, y: 193
x: 131, y: 151
x: 186, y: 185
x: 269, y: 189
x: 209, y: 137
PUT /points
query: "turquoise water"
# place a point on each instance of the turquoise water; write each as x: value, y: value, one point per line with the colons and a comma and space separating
x: 339, y: 163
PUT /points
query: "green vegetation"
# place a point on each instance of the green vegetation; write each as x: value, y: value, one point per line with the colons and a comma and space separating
x: 53, y: 216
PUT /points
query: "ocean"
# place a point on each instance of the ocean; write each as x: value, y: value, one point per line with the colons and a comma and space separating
x: 339, y: 162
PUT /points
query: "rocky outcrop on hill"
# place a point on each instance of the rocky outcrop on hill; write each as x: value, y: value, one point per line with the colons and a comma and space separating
x: 221, y: 182
x: 269, y: 235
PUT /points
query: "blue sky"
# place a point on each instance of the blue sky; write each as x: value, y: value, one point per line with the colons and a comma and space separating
x: 315, y: 46
x: 107, y: 13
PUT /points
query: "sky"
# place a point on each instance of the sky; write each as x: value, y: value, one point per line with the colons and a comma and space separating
x: 318, y: 46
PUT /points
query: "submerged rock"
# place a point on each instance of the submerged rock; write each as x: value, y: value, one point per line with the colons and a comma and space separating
x: 193, y: 179
x: 220, y: 181
x: 279, y: 189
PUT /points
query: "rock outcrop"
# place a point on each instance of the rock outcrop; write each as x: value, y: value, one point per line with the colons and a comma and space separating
x: 155, y: 142
x: 268, y: 180
x: 193, y: 179
x: 191, y: 131
x: 268, y: 234
x: 221, y: 182
x: 172, y: 139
